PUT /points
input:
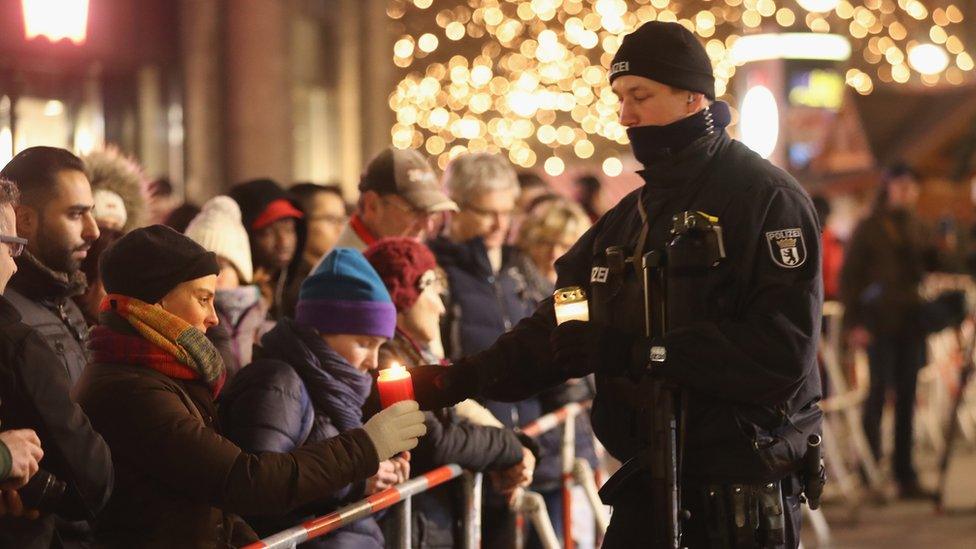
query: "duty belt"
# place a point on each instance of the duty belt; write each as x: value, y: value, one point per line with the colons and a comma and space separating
x: 743, y: 516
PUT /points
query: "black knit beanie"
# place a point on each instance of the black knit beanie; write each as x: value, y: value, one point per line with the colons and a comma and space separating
x: 667, y: 53
x: 255, y: 196
x: 149, y: 262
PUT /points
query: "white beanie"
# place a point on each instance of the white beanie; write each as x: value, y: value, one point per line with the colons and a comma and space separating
x: 218, y: 228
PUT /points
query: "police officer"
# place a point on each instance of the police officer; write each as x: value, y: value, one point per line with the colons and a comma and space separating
x: 746, y: 357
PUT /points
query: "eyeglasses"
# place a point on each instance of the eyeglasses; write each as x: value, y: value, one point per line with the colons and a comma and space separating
x: 14, y: 243
x: 329, y: 218
x: 488, y: 214
x: 430, y: 278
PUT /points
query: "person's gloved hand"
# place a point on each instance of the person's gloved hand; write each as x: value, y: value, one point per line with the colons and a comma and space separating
x: 396, y: 429
x: 436, y: 386
x: 582, y: 348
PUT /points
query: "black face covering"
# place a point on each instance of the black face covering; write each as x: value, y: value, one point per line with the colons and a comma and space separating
x: 651, y: 143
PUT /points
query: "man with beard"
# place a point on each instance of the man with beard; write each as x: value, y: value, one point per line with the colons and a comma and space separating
x: 55, y: 216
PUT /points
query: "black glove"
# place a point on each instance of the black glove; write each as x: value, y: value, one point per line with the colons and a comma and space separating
x: 436, y: 386
x: 582, y: 348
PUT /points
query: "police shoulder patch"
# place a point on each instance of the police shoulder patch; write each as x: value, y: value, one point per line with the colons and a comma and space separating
x: 787, y: 248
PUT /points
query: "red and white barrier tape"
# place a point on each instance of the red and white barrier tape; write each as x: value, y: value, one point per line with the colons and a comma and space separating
x: 355, y: 511
x: 551, y: 420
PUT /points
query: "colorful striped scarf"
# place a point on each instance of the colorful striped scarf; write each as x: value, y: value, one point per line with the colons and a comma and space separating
x: 166, y: 343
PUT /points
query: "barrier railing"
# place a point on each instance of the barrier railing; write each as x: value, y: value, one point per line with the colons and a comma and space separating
x: 575, y: 472
x: 401, y: 493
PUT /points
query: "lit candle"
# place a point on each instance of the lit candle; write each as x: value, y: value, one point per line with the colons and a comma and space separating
x: 394, y: 384
x: 571, y: 304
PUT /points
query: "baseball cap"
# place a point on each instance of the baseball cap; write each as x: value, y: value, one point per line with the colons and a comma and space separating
x: 406, y: 173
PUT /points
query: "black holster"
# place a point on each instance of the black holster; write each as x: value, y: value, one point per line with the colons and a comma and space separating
x: 744, y: 516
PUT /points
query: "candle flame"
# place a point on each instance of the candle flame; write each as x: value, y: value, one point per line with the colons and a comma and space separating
x: 396, y: 367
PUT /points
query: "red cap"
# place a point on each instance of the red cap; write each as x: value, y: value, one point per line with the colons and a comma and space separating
x: 276, y: 210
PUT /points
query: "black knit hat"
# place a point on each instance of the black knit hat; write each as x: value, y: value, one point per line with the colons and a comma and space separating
x: 149, y: 262
x: 667, y: 53
x: 262, y: 202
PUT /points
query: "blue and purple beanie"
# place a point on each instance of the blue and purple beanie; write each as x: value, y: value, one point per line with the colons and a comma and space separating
x: 344, y: 295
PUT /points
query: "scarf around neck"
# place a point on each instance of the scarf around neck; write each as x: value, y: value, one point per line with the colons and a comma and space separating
x: 165, y: 342
x: 652, y: 143
x: 336, y: 388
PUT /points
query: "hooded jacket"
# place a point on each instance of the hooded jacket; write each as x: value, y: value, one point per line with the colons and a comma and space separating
x: 297, y: 392
x: 179, y: 482
x: 43, y: 299
x: 34, y: 394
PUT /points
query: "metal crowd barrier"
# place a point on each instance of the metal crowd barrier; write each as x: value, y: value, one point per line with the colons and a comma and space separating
x: 575, y: 472
x: 401, y: 493
x: 845, y: 401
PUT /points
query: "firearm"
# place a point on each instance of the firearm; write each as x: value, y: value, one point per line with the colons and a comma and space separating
x: 673, y: 297
x: 695, y: 246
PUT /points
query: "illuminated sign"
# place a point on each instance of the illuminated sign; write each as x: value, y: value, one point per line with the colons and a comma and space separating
x: 759, y: 122
x: 796, y: 45
x: 56, y: 19
x: 822, y: 89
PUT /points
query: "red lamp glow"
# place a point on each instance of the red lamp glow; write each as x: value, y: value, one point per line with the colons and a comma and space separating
x: 56, y: 19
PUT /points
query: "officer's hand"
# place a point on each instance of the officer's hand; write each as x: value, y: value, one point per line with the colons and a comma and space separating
x: 436, y: 386
x: 582, y: 348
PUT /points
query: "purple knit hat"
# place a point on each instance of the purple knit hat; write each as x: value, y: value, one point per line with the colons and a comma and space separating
x: 344, y: 295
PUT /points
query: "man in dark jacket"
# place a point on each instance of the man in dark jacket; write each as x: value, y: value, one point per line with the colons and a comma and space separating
x: 886, y: 260
x: 746, y: 355
x: 55, y: 216
x: 34, y: 395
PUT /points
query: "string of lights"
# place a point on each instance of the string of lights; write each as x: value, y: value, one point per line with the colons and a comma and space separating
x: 529, y: 77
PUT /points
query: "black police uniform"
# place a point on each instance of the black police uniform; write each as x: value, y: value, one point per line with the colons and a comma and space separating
x: 743, y: 349
x: 748, y: 363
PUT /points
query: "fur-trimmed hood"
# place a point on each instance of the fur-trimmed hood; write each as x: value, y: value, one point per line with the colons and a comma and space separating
x: 110, y: 169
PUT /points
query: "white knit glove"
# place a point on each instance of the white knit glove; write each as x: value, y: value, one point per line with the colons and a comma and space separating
x: 396, y: 428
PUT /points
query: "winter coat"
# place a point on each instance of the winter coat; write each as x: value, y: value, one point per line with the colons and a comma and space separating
x: 43, y: 299
x: 34, y: 394
x: 243, y: 318
x: 885, y: 261
x: 437, y: 514
x: 746, y: 353
x: 297, y: 392
x: 179, y: 483
x: 483, y: 305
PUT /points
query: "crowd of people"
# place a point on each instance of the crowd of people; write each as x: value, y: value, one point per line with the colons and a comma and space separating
x: 204, y: 380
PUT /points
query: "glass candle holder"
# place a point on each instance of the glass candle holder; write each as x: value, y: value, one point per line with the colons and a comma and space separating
x: 571, y: 304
